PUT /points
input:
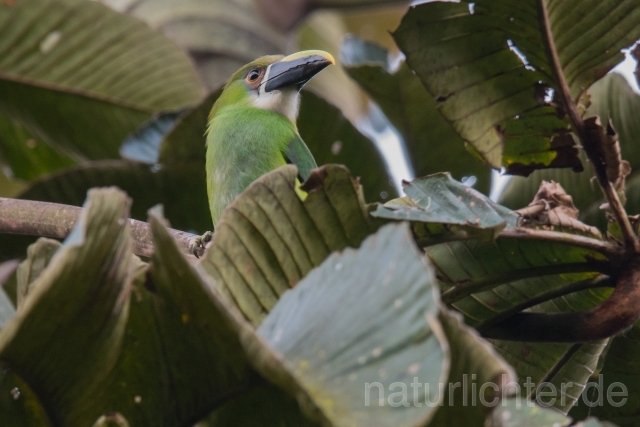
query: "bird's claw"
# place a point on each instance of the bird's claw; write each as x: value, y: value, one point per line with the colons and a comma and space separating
x: 199, y: 244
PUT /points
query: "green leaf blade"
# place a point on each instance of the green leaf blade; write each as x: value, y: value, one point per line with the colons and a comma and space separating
x: 393, y: 336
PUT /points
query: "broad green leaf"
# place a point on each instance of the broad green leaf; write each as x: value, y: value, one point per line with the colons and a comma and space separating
x: 268, y: 239
x: 81, y: 76
x: 180, y: 188
x: 39, y: 255
x: 489, y: 281
x: 26, y: 156
x: 522, y: 413
x: 90, y: 274
x: 344, y: 330
x: 611, y: 98
x: 10, y: 187
x: 270, y: 407
x: 335, y: 140
x: 431, y: 144
x: 220, y: 35
x: 180, y: 357
x: 475, y: 363
x: 186, y: 141
x: 518, y: 412
x: 20, y: 406
x: 488, y: 65
x: 566, y: 367
x: 441, y: 201
x: 618, y: 399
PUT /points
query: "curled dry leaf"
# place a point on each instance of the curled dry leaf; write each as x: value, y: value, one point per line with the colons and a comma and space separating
x: 553, y: 208
x: 608, y: 146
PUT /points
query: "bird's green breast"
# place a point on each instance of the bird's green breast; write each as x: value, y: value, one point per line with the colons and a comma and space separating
x: 243, y: 143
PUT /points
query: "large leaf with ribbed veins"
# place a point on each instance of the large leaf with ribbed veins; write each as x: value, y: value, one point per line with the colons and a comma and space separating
x: 268, y: 239
x: 338, y: 331
x: 81, y: 76
x: 90, y: 273
x: 490, y: 65
x: 431, y: 144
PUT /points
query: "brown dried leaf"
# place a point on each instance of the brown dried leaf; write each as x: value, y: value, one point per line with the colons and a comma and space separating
x: 606, y: 139
x: 552, y: 208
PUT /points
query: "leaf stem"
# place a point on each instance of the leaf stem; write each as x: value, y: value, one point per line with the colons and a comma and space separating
x: 462, y: 290
x: 607, y: 249
x: 590, y: 147
x: 54, y: 220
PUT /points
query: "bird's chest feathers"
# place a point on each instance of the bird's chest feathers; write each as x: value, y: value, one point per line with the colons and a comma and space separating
x: 285, y: 102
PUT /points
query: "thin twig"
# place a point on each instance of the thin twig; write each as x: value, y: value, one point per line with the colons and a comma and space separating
x: 556, y: 368
x: 607, y: 249
x: 45, y: 219
x: 462, y: 290
x: 590, y: 147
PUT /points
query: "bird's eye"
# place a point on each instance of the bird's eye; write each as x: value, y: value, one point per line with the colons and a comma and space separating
x: 253, y: 75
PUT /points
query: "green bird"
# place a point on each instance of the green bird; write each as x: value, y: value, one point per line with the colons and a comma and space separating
x: 252, y: 127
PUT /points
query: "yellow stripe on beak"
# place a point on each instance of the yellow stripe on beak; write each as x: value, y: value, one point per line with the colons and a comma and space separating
x: 304, y: 53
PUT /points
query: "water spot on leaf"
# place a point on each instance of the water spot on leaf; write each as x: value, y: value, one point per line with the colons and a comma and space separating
x: 137, y: 399
x: 413, y: 368
x: 50, y: 41
x: 336, y: 147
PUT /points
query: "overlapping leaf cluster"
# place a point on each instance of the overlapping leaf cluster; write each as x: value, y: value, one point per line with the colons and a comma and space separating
x: 299, y: 306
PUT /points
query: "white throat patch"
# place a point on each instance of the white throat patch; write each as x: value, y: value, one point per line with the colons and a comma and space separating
x: 285, y: 102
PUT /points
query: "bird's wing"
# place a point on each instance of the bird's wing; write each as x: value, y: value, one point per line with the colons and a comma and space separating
x: 298, y: 153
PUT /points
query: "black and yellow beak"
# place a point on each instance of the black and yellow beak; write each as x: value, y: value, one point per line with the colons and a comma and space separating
x: 296, y: 70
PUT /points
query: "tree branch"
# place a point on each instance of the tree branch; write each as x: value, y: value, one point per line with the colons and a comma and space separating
x: 54, y: 220
x: 590, y: 146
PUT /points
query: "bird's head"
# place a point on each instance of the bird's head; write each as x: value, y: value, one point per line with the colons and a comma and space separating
x: 273, y: 82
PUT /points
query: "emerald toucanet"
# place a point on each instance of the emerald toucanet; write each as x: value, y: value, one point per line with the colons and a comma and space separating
x: 252, y: 126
